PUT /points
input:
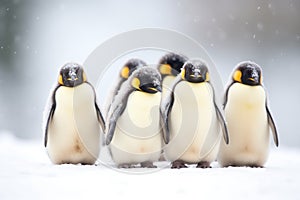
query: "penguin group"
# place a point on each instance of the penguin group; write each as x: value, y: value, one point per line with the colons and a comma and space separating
x: 167, y: 112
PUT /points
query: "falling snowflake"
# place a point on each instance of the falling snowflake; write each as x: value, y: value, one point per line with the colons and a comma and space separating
x: 260, y: 26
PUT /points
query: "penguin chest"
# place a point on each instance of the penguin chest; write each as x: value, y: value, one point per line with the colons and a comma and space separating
x: 138, y: 131
x: 192, y: 119
x: 74, y: 129
x: 142, y: 110
x: 246, y: 116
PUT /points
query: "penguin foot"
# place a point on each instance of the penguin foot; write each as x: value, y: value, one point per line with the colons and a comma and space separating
x: 247, y: 165
x: 203, y: 164
x: 125, y: 165
x: 162, y: 158
x: 256, y: 166
x: 148, y: 164
x: 178, y: 164
x: 87, y: 163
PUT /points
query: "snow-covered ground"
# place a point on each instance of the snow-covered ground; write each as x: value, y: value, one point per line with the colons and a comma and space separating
x: 26, y: 173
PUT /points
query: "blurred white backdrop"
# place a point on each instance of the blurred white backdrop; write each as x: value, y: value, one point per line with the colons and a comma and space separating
x: 38, y: 37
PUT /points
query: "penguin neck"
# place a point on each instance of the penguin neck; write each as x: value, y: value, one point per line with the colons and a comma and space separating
x: 70, y: 97
x: 167, y: 80
x: 202, y: 92
x: 167, y: 83
x: 246, y: 95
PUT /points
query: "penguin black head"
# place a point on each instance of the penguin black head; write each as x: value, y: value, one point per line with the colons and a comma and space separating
x: 71, y: 75
x: 146, y: 79
x: 248, y: 73
x: 171, y: 64
x: 130, y: 66
x: 195, y: 71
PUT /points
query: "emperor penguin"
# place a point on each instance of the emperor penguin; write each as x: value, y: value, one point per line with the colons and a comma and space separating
x: 169, y: 67
x: 191, y: 120
x: 127, y: 69
x: 73, y: 120
x: 248, y: 117
x: 133, y: 131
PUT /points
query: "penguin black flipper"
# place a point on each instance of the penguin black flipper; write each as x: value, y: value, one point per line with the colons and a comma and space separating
x: 113, y: 122
x: 99, y: 116
x: 164, y: 116
x: 50, y: 114
x: 165, y: 109
x: 116, y: 109
x: 223, y: 124
x: 48, y: 121
x: 226, y: 95
x: 273, y: 127
x: 221, y: 117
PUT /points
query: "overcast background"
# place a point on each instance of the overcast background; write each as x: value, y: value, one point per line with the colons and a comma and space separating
x: 38, y: 37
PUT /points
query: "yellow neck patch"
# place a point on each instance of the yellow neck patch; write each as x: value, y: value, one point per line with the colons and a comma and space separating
x: 237, y: 76
x: 84, y: 77
x: 261, y: 79
x: 183, y: 74
x: 207, y: 77
x: 165, y: 69
x: 125, y: 72
x: 60, y: 80
x: 136, y: 83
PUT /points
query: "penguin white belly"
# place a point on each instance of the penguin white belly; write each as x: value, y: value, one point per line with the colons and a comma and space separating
x: 194, y: 128
x: 74, y: 132
x: 137, y: 137
x: 166, y: 85
x: 248, y: 129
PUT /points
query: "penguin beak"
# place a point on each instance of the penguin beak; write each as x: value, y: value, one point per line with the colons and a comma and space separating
x: 73, y: 78
x: 195, y: 78
x: 196, y: 75
x: 151, y: 88
x: 158, y: 88
x: 254, y: 80
x: 155, y: 89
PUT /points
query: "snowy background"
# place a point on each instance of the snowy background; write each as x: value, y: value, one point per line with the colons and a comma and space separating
x: 38, y: 37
